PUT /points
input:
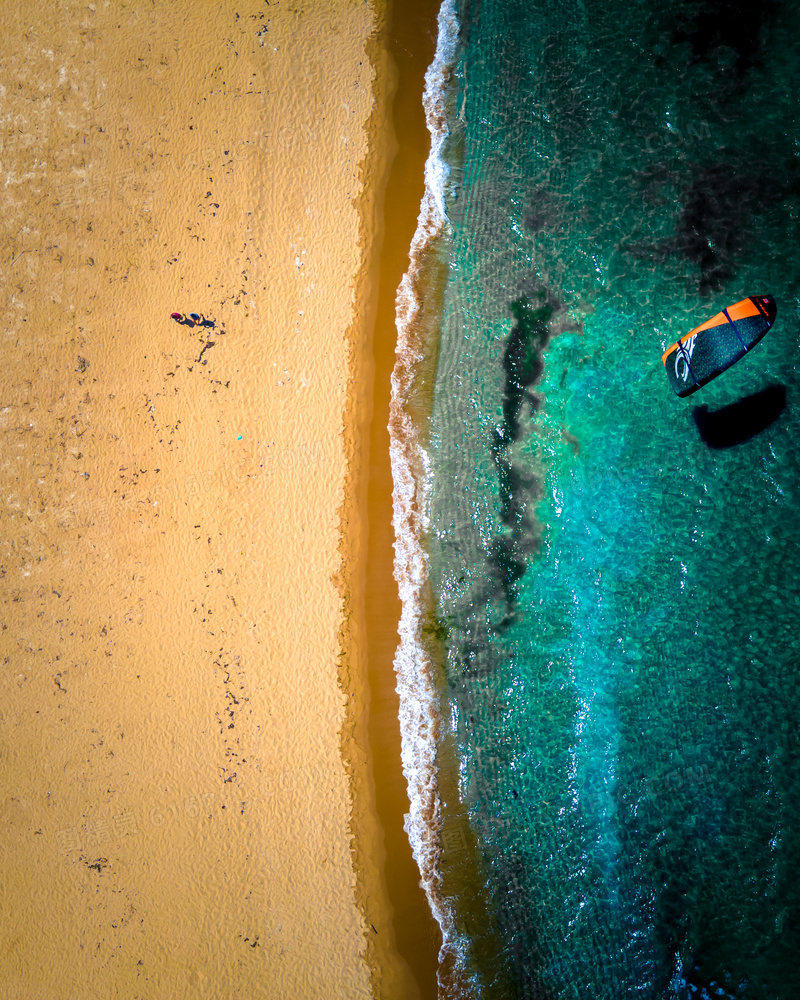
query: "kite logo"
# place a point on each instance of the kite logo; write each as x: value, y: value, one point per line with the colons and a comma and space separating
x: 682, y: 355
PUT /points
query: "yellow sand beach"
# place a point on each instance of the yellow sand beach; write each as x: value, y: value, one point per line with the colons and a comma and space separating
x: 188, y: 799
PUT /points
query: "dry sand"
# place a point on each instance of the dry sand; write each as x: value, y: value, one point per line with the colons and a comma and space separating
x: 183, y: 680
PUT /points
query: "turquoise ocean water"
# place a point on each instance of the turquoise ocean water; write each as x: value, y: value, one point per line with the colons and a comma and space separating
x: 615, y: 571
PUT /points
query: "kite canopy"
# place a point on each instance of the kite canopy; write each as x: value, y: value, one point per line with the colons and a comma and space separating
x: 718, y: 343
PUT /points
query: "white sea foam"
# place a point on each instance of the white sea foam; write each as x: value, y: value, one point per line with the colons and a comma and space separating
x: 420, y: 719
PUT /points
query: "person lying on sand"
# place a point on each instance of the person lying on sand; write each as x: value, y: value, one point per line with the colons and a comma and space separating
x: 193, y: 319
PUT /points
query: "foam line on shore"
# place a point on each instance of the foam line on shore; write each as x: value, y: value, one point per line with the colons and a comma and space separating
x: 420, y: 719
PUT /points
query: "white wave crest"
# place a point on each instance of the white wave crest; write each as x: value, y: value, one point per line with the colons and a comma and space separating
x: 420, y: 719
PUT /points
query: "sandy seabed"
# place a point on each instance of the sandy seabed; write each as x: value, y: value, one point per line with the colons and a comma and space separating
x: 179, y: 558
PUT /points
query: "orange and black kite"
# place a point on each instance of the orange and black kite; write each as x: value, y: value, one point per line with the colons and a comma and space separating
x: 718, y: 343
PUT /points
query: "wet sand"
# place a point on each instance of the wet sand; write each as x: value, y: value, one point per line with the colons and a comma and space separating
x: 187, y: 808
x: 412, y: 43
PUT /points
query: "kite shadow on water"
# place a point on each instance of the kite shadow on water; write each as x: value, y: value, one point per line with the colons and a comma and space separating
x: 742, y: 420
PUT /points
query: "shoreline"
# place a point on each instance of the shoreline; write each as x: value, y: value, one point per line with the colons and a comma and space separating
x: 416, y: 932
x: 417, y: 664
x: 395, y: 971
x: 404, y: 961
x: 439, y: 826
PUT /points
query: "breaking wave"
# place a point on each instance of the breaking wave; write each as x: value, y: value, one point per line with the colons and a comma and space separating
x: 417, y: 335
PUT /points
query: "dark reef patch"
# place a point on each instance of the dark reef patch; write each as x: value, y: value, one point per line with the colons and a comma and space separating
x: 522, y: 360
x: 518, y: 489
x: 545, y: 211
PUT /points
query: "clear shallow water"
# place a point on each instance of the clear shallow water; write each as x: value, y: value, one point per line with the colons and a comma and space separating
x: 619, y: 601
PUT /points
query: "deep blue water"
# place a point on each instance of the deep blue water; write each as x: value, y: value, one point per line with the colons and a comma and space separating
x: 620, y: 598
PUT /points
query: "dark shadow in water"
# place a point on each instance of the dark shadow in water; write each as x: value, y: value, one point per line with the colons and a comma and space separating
x: 712, y: 230
x: 716, y: 25
x: 742, y: 420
